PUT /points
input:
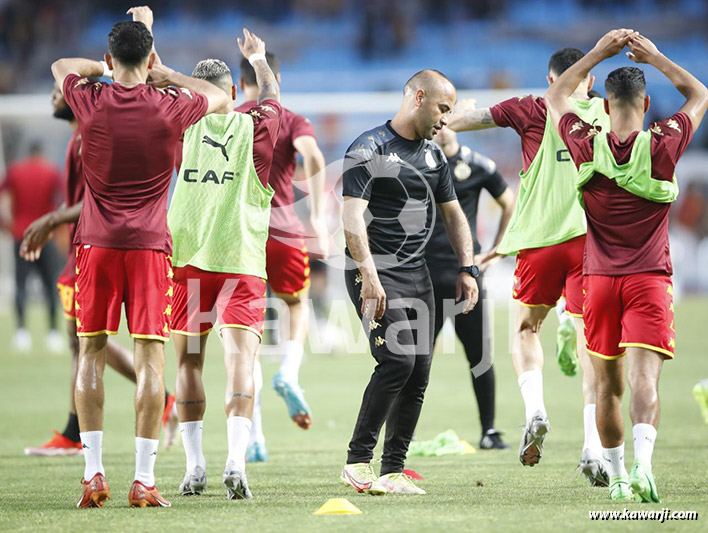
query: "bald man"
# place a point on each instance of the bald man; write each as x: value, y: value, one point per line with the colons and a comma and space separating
x: 395, y: 173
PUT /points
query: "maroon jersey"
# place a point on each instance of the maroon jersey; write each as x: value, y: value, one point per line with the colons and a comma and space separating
x: 526, y: 115
x: 284, y: 221
x: 626, y: 234
x: 129, y: 135
x: 35, y: 187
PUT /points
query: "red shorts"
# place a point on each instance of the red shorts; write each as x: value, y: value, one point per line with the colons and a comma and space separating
x: 287, y: 265
x: 66, y: 285
x: 633, y: 310
x: 542, y: 275
x: 236, y: 300
x: 106, y: 278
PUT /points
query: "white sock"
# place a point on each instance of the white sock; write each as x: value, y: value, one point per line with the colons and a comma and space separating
x: 257, y: 421
x: 291, y: 360
x: 531, y: 385
x: 592, y: 437
x: 145, y: 457
x: 192, y: 442
x: 614, y: 460
x: 238, y: 431
x: 644, y: 439
x: 92, y: 443
x: 560, y: 312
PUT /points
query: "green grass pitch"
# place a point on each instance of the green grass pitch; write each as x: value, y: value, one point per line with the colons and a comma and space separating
x: 486, y: 491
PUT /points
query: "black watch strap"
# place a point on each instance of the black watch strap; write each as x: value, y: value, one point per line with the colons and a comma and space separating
x: 471, y: 270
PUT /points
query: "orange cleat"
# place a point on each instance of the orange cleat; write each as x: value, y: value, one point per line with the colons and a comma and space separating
x: 57, y: 445
x: 142, y: 496
x: 95, y: 492
x: 170, y: 421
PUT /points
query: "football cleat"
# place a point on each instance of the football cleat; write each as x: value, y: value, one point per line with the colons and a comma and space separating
x: 256, y: 453
x: 566, y: 348
x: 593, y: 469
x: 194, y: 482
x: 491, y: 440
x: 361, y: 476
x: 95, y: 492
x: 57, y: 445
x: 620, y: 489
x: 142, y: 496
x: 291, y: 392
x: 531, y: 448
x: 700, y: 393
x: 170, y: 421
x: 236, y: 484
x: 399, y: 483
x: 642, y: 483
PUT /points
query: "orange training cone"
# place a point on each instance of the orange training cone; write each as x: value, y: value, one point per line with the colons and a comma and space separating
x: 337, y: 506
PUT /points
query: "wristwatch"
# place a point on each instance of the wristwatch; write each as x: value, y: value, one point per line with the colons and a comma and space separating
x: 471, y: 270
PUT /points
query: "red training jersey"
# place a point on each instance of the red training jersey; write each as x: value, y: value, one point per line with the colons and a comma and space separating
x: 74, y: 189
x: 526, y: 115
x: 284, y: 222
x: 35, y: 186
x: 626, y: 234
x: 129, y: 135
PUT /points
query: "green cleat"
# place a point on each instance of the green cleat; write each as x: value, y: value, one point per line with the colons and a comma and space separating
x: 620, y: 489
x: 567, y: 348
x: 642, y: 484
x: 700, y: 392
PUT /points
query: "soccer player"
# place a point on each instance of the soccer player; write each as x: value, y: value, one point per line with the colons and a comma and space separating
x: 129, y: 132
x: 547, y: 233
x: 472, y: 172
x: 33, y: 187
x: 287, y: 260
x: 394, y: 172
x: 35, y: 238
x: 626, y: 177
x: 219, y: 219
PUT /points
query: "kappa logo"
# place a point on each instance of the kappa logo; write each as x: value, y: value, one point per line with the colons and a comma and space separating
x: 211, y: 142
x: 393, y: 158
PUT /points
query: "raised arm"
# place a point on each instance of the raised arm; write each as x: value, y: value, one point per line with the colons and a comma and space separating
x: 86, y: 68
x: 696, y: 94
x: 144, y: 14
x: 458, y: 231
x: 468, y: 118
x: 558, y: 93
x: 253, y: 49
x: 313, y: 163
x: 373, y: 297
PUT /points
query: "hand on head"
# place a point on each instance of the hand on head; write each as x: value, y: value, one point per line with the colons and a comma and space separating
x: 614, y: 41
x: 142, y: 14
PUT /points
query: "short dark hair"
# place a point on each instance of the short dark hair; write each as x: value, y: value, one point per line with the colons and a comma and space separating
x: 248, y: 75
x: 625, y: 84
x: 563, y: 59
x: 129, y: 42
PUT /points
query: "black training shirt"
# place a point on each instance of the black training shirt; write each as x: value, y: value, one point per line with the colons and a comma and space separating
x: 400, y: 178
x: 471, y: 173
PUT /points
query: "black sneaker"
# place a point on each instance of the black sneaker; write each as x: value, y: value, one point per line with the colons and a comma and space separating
x: 492, y: 440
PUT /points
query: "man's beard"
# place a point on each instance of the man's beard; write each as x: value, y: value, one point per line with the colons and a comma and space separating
x: 64, y: 113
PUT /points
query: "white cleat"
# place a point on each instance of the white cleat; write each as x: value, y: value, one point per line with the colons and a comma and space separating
x: 362, y: 477
x: 592, y: 467
x: 55, y: 342
x: 194, y: 482
x: 236, y: 484
x: 22, y: 340
x: 531, y: 449
x: 399, y: 483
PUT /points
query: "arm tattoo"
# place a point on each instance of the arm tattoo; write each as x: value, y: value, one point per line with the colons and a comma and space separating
x: 486, y: 118
x: 267, y: 84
